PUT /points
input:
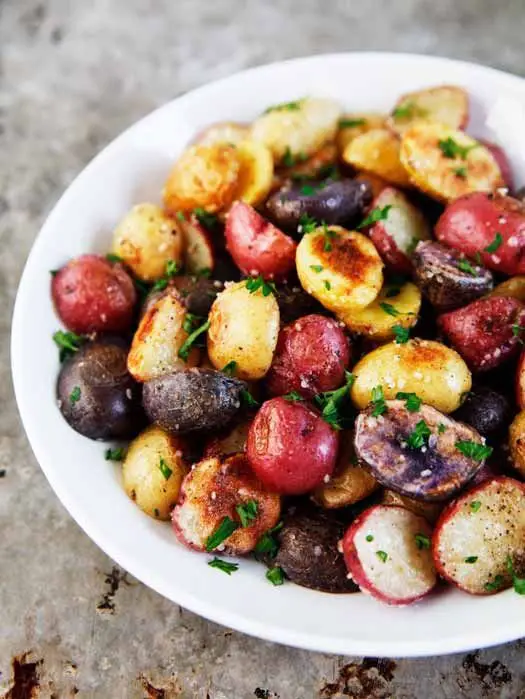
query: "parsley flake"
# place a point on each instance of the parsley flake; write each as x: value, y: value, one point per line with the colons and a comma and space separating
x: 401, y: 334
x: 471, y: 559
x: 248, y: 400
x: 184, y: 351
x: 517, y: 330
x: 465, y: 266
x: 111, y: 257
x: 288, y: 159
x: 382, y: 555
x: 229, y: 369
x: 253, y: 284
x: 388, y: 308
x: 225, y: 566
x: 307, y: 190
x: 335, y: 406
x: 474, y: 450
x: 498, y: 240
x: 408, y: 110
x: 422, y: 541
x: 293, y: 396
x: 317, y: 268
x: 74, y: 396
x: 378, y: 401
x: 418, y: 438
x: 494, y: 585
x: 351, y: 123
x: 247, y: 512
x: 475, y: 505
x: 225, y: 529
x: 181, y: 216
x: 377, y: 214
x: 205, y: 218
x: 327, y: 285
x: 517, y: 582
x: 165, y: 469
x: 275, y: 575
x: 268, y: 543
x: 307, y: 224
x: 442, y: 428
x: 412, y: 401
x: 451, y: 149
x: 461, y: 171
x: 68, y: 343
x: 369, y: 537
x: 285, y: 107
x: 116, y: 454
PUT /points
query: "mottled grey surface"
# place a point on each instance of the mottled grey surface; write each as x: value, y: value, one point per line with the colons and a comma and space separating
x: 73, y: 74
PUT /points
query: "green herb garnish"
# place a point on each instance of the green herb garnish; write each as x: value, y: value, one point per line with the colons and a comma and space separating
x: 317, y: 268
x: 388, y: 308
x: 475, y: 505
x: 229, y: 369
x: 285, y: 107
x: 422, y: 541
x: 288, y: 159
x: 308, y: 190
x: 181, y: 216
x: 307, y: 224
x: 111, y: 257
x: 268, y: 543
x: 369, y: 537
x: 329, y: 235
x: 255, y: 283
x: 116, y: 454
x: 247, y: 512
x: 498, y: 240
x: 495, y: 585
x: 275, y: 575
x: 401, y: 334
x: 382, y: 555
x: 225, y: 529
x: 74, y: 396
x: 327, y: 285
x: 517, y: 330
x: 465, y: 266
x: 293, y: 396
x: 225, y: 566
x: 378, y: 401
x: 461, y: 171
x: 412, y: 401
x: 190, y: 322
x: 408, y: 110
x: 517, y: 582
x: 191, y: 340
x: 471, y: 559
x: 205, y: 218
x: 418, y: 438
x: 165, y: 469
x: 351, y: 123
x: 474, y: 450
x: 377, y: 214
x: 335, y: 406
x: 441, y: 428
x: 248, y: 400
x: 451, y: 149
x: 172, y: 269
x: 68, y: 343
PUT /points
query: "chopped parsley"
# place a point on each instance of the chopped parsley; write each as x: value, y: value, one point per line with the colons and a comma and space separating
x: 116, y: 454
x: 293, y: 396
x: 418, y: 438
x: 190, y: 322
x: 68, y: 343
x: 517, y: 582
x: 401, y: 334
x: 225, y: 566
x: 382, y: 555
x: 74, y: 396
x: 317, y: 268
x: 327, y: 285
x: 517, y: 330
x: 451, y: 149
x: 229, y: 369
x: 165, y: 469
x: 111, y: 257
x: 329, y: 235
x: 475, y: 505
x: 307, y: 190
x: 378, y: 401
x: 494, y: 585
x: 268, y: 543
x: 253, y: 284
x: 351, y: 123
x: 248, y: 400
x: 498, y: 240
x: 285, y: 107
x: 388, y: 308
x: 369, y: 538
x: 275, y: 575
x: 180, y: 215
x: 191, y: 340
x: 205, y: 218
x: 288, y: 159
x: 461, y: 171
x: 408, y: 110
x: 335, y: 406
x: 412, y: 401
x: 53, y: 272
x: 225, y: 529
x: 465, y: 266
x: 307, y: 224
x: 247, y: 512
x: 474, y: 450
x: 442, y: 428
x: 377, y: 214
x: 422, y: 541
x: 172, y: 269
x: 471, y: 559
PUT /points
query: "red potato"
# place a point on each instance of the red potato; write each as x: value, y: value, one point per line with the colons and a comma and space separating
x: 198, y: 248
x: 290, y: 447
x: 211, y: 491
x: 484, y: 332
x: 93, y: 295
x: 477, y: 533
x: 311, y: 357
x: 256, y: 245
x: 470, y: 224
x: 500, y: 157
x: 387, y: 553
x: 396, y: 236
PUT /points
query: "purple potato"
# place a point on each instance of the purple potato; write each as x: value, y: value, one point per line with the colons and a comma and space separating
x: 486, y: 410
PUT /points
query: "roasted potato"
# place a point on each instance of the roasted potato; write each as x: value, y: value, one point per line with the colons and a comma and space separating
x: 377, y: 152
x: 314, y: 167
x: 429, y: 510
x: 297, y: 129
x: 153, y: 470
x: 230, y: 132
x: 203, y: 177
x: 256, y: 172
x: 215, y: 489
x: 192, y: 400
x: 446, y: 163
x: 486, y: 410
x: 446, y: 104
x: 244, y: 325
x: 91, y: 294
x: 199, y: 253
x: 146, y: 240
x: 513, y: 287
x: 435, y: 372
x: 95, y: 393
x: 353, y: 125
x: 197, y: 293
x: 340, y: 268
x: 158, y: 340
x: 517, y: 443
x: 387, y: 312
x: 229, y: 441
x: 446, y: 278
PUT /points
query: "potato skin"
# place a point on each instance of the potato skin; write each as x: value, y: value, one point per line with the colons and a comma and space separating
x: 256, y: 245
x: 96, y: 394
x: 435, y: 372
x: 290, y: 447
x: 351, y: 273
x: 470, y: 224
x: 486, y: 410
x: 144, y: 480
x: 192, y: 400
x: 311, y: 357
x: 482, y: 332
x: 243, y: 328
x: 517, y: 443
x: 91, y: 294
x: 146, y: 239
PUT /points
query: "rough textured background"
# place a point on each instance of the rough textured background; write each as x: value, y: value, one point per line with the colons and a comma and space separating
x: 72, y: 76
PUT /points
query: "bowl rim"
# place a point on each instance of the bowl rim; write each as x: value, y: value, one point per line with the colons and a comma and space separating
x: 508, y: 631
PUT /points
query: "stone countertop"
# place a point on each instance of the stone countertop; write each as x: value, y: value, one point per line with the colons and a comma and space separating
x: 73, y: 74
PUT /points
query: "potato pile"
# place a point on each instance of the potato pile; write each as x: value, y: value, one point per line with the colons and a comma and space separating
x: 314, y: 344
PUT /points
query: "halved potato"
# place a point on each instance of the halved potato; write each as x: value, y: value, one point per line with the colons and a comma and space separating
x: 446, y: 163
x: 353, y: 125
x: 377, y: 152
x: 256, y: 173
x: 377, y: 320
x: 340, y: 268
x: 447, y: 104
x: 158, y: 339
x: 230, y: 132
x: 198, y: 253
x: 513, y: 287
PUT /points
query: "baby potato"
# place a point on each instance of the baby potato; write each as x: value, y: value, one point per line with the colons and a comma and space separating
x: 436, y: 373
x: 158, y: 339
x: 297, y: 129
x: 146, y: 239
x: 377, y: 152
x: 377, y: 320
x: 244, y: 326
x: 447, y: 104
x: 312, y: 167
x: 340, y: 268
x: 517, y: 443
x: 230, y: 132
x: 256, y: 172
x: 446, y: 163
x: 353, y: 125
x: 513, y: 287
x: 203, y: 177
x: 153, y: 471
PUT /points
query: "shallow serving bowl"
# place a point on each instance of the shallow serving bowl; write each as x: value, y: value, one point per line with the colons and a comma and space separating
x: 131, y: 170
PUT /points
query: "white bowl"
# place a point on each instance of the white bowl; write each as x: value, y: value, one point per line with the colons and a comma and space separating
x: 132, y: 169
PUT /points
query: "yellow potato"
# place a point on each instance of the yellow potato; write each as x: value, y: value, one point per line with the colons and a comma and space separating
x: 513, y: 287
x: 517, y: 443
x: 158, y: 339
x: 203, y: 177
x: 446, y: 163
x: 256, y: 173
x: 146, y: 239
x: 153, y: 471
x: 229, y: 132
x: 377, y: 152
x: 377, y: 320
x: 297, y: 129
x: 322, y: 159
x: 340, y: 268
x: 353, y: 125
x: 447, y: 104
x: 435, y: 372
x: 243, y: 329
x: 350, y: 483
x: 429, y: 510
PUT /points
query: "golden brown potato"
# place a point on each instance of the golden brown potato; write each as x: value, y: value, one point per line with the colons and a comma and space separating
x: 429, y: 510
x: 517, y: 443
x: 153, y: 471
x: 513, y: 287
x: 158, y: 339
x: 377, y: 152
x: 256, y: 173
x: 340, y: 268
x: 229, y: 132
x: 311, y: 167
x: 353, y: 125
x: 446, y: 163
x: 146, y: 239
x: 243, y: 329
x: 447, y: 104
x: 203, y: 177
x: 435, y: 372
x: 377, y: 321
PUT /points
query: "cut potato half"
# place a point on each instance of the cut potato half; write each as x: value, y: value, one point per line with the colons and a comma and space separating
x: 447, y: 104
x: 377, y: 152
x: 255, y: 174
x: 353, y: 125
x: 198, y: 253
